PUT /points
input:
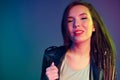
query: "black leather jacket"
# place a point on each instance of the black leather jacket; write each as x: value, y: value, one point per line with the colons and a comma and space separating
x: 56, y: 55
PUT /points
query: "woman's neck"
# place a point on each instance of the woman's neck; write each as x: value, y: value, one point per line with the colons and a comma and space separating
x: 81, y: 49
x: 78, y: 56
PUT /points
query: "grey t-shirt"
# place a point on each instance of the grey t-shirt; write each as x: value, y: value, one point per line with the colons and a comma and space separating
x: 66, y: 73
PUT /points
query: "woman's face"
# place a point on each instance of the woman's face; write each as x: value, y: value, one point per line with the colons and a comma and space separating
x: 80, y: 24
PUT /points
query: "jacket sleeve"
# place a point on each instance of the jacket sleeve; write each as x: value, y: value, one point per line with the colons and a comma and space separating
x: 44, y: 66
x: 47, y: 60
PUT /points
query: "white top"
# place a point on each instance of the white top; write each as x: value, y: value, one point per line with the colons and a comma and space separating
x: 66, y: 73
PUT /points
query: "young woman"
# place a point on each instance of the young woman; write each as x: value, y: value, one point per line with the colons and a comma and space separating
x: 88, y: 52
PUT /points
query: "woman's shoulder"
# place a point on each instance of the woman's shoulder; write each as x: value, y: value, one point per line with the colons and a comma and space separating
x: 54, y: 50
x: 50, y: 49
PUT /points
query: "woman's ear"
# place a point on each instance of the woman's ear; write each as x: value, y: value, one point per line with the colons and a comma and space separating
x: 93, y: 29
x: 94, y: 26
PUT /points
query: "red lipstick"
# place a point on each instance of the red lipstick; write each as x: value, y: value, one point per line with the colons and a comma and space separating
x: 78, y: 32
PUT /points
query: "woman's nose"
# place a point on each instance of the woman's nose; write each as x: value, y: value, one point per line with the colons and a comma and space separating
x: 76, y: 23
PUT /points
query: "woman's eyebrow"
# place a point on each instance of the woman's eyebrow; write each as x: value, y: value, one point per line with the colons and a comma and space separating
x: 70, y: 17
x: 82, y: 14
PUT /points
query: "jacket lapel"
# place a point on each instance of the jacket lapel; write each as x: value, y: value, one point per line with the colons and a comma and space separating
x: 95, y: 72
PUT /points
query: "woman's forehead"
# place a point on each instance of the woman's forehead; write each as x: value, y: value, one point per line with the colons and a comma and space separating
x: 78, y: 10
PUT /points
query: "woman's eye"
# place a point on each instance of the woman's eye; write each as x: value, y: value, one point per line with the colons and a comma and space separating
x: 83, y: 18
x: 70, y: 21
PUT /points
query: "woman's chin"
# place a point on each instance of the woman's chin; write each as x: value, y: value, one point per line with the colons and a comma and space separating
x: 80, y: 40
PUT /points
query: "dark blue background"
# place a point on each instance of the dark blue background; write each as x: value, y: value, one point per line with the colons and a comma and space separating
x: 30, y: 26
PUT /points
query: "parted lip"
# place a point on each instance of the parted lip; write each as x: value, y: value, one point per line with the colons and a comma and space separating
x: 78, y: 32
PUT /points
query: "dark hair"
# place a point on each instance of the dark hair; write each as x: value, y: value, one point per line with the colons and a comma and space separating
x: 102, y: 46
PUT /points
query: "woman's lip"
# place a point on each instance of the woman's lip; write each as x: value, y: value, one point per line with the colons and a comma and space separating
x: 78, y: 32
